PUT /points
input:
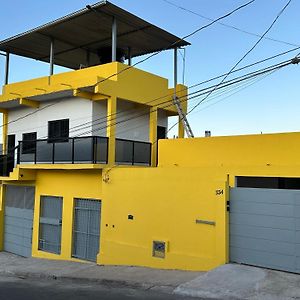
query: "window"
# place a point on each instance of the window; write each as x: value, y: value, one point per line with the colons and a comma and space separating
x: 268, y: 182
x: 29, y: 143
x: 58, y: 131
x: 161, y: 132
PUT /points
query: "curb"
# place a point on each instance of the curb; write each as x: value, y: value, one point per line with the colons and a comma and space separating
x: 101, y: 281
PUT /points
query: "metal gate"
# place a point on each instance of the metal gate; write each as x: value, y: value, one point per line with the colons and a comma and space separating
x: 86, y: 229
x: 265, y: 228
x: 18, y: 219
x: 50, y: 224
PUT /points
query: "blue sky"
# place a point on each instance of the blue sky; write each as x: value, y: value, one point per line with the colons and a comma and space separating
x: 270, y: 105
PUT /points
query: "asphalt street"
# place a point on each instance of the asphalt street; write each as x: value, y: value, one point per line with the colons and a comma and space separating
x: 12, y: 288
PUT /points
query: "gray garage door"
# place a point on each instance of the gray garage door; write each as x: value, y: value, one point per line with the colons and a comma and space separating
x: 18, y: 218
x: 265, y: 228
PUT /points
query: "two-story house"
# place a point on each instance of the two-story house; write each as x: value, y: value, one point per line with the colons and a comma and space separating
x: 62, y: 131
x: 87, y: 174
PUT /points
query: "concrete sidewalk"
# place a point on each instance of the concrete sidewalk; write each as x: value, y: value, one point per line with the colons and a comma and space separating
x: 139, y: 277
x: 229, y: 281
x: 234, y: 281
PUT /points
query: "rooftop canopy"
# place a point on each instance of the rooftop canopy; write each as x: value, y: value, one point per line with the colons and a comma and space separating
x: 83, y: 37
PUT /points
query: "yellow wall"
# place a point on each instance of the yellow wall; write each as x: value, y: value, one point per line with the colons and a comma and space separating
x: 133, y: 85
x: 69, y: 185
x: 279, y: 149
x: 165, y: 203
x: 245, y: 155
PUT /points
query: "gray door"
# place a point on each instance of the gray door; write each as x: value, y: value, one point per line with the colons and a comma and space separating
x: 18, y: 219
x: 86, y: 229
x: 50, y: 224
x: 265, y: 228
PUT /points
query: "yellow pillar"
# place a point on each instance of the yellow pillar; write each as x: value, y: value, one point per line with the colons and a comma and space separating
x: 180, y: 128
x: 4, y: 130
x: 1, y: 217
x: 111, y: 128
x: 36, y: 223
x: 182, y: 92
x: 153, y: 135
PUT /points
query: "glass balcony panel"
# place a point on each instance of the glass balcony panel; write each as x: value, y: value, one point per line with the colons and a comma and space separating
x: 44, y: 152
x: 101, y: 150
x: 142, y: 152
x: 26, y: 157
x: 83, y: 150
x: 63, y: 152
x: 124, y: 152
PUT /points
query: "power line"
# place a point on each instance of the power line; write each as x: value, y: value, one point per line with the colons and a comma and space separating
x: 177, y: 42
x: 239, y: 89
x: 229, y: 90
x: 227, y: 25
x: 203, y: 92
x: 152, y: 55
x: 245, y: 55
x: 190, y: 87
x: 194, y: 95
x: 237, y: 80
x: 164, y: 96
x: 198, y: 93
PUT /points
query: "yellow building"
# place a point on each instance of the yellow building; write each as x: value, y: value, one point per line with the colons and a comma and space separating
x: 80, y: 175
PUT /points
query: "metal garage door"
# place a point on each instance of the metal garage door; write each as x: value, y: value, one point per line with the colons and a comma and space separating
x: 86, y: 229
x: 18, y: 219
x: 265, y: 228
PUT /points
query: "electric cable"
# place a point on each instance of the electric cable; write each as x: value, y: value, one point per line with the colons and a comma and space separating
x: 207, y: 89
x: 239, y: 89
x: 152, y: 55
x: 189, y: 87
x: 257, y: 73
x: 245, y: 55
x: 231, y: 91
x: 227, y: 25
x: 185, y: 98
x: 174, y: 43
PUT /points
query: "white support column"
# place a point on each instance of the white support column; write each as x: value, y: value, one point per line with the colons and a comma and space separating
x: 129, y: 56
x: 51, y: 60
x: 114, y: 40
x: 6, y: 68
x: 175, y: 70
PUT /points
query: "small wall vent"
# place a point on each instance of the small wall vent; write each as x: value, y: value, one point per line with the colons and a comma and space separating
x: 159, y: 249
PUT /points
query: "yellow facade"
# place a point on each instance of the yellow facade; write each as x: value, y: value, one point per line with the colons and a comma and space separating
x: 151, y: 89
x: 166, y: 202
x: 68, y: 185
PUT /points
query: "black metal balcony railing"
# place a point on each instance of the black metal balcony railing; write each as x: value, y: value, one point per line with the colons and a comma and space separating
x: 89, y: 150
x: 133, y: 152
x: 7, y: 162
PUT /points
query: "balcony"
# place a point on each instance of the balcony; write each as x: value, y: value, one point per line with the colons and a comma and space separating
x: 79, y: 150
x: 76, y: 150
x: 129, y: 152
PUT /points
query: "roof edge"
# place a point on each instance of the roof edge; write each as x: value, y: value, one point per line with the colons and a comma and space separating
x: 56, y: 21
